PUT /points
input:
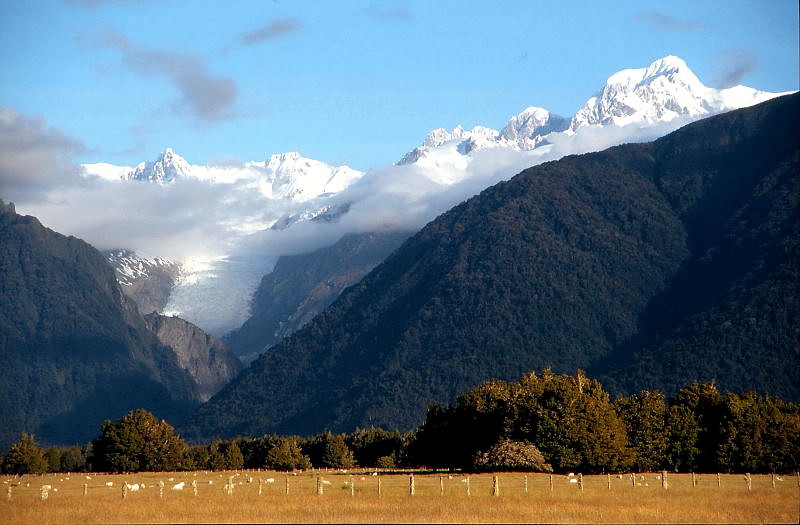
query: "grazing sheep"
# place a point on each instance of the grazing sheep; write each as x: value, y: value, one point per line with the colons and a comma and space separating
x: 47, y: 487
x: 573, y: 480
x: 326, y: 482
x: 109, y: 484
x: 133, y: 487
x: 178, y: 486
x: 270, y: 480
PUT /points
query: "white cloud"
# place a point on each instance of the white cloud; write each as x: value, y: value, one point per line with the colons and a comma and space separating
x: 202, y: 220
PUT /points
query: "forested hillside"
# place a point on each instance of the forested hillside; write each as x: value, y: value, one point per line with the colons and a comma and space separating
x: 301, y: 286
x: 656, y: 264
x: 73, y: 349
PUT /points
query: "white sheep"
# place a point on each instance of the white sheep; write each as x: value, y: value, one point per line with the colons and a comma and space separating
x: 573, y: 480
x: 270, y: 480
x: 179, y: 486
x: 109, y: 484
x: 133, y: 487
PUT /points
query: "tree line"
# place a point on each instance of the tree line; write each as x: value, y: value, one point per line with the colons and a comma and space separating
x: 543, y: 422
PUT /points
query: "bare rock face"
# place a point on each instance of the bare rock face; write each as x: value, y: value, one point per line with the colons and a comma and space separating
x: 205, y: 357
x: 149, y: 282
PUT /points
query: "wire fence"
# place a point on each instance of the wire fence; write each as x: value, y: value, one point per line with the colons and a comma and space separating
x: 255, y: 483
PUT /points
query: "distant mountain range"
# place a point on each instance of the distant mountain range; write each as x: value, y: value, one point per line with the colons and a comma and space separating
x: 650, y: 264
x: 295, y: 190
x: 667, y: 90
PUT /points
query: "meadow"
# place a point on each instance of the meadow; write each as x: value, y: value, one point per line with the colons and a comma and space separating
x: 360, y: 496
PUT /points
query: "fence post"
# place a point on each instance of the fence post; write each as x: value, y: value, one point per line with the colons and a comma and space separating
x: 773, y: 480
x: 608, y: 476
x: 287, y: 485
x: 44, y: 493
x: 352, y: 486
x: 379, y: 486
x: 495, y: 486
x: 160, y: 489
x: 551, y: 483
x: 719, y: 481
x: 633, y: 480
x: 320, y: 489
x: 194, y: 487
x: 260, y: 485
x: 748, y: 481
x: 468, y: 491
x: 8, y: 492
x: 124, y: 490
x: 664, y: 482
x: 85, y: 489
x: 526, y: 483
x: 411, y: 488
x: 441, y: 485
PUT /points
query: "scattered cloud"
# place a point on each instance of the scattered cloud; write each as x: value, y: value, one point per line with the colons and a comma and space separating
x: 270, y: 31
x: 34, y: 159
x: 96, y: 3
x: 664, y: 22
x: 392, y: 13
x: 204, y: 96
x: 734, y: 65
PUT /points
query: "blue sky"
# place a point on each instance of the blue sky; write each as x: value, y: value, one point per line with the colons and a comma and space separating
x: 355, y: 83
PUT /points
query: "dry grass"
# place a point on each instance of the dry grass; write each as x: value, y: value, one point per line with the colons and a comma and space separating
x: 624, y: 503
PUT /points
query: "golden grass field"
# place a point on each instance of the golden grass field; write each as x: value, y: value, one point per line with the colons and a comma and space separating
x: 647, y: 502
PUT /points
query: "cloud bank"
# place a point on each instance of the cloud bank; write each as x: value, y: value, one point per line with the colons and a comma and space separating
x: 222, y: 230
x: 35, y: 160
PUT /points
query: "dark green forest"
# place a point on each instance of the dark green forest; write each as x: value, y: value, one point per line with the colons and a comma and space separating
x: 648, y: 265
x: 73, y: 349
x: 301, y: 286
x: 542, y: 422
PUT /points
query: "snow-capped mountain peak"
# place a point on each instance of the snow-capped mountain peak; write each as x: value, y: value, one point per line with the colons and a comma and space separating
x: 168, y: 167
x: 291, y: 176
x: 661, y: 92
x: 526, y: 129
x: 664, y: 90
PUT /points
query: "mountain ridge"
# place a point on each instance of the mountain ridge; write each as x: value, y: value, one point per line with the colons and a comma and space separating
x: 556, y: 266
